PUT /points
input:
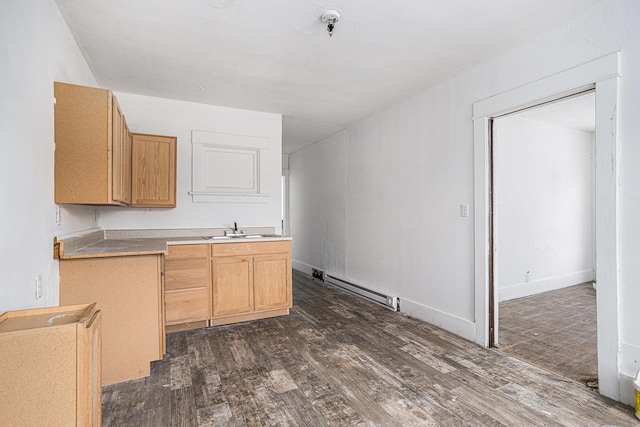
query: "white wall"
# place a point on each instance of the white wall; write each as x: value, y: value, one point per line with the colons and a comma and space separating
x: 543, y: 206
x: 177, y: 118
x: 412, y: 167
x: 36, y: 50
x: 317, y: 204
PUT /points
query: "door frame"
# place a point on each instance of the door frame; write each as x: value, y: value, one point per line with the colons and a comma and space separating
x: 494, y: 229
x: 601, y: 74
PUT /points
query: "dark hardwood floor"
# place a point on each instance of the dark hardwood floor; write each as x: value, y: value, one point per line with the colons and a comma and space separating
x: 340, y: 361
x: 555, y: 330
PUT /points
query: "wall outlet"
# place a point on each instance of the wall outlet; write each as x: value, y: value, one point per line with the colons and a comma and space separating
x: 317, y: 274
x: 58, y: 215
x: 38, y: 286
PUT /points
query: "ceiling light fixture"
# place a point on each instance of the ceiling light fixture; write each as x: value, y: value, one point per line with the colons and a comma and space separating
x: 331, y: 17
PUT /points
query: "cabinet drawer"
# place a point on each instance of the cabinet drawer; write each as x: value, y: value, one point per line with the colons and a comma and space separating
x: 250, y: 248
x: 188, y: 251
x: 186, y: 266
x: 187, y: 305
x: 185, y: 277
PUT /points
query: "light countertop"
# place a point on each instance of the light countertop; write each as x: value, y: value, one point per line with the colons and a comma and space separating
x: 111, y: 243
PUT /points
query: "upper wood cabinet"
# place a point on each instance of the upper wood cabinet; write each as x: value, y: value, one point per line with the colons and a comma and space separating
x: 153, y: 170
x: 92, y: 142
x: 121, y: 156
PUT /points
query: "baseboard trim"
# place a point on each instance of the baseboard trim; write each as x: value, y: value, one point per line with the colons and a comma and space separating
x: 525, y: 289
x: 457, y: 325
x: 302, y: 267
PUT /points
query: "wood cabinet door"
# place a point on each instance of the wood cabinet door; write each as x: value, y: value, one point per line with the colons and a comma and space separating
x: 232, y: 280
x: 126, y: 164
x: 153, y: 171
x: 271, y: 281
x: 117, y: 149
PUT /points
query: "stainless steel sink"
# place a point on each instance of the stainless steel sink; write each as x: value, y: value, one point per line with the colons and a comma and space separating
x: 243, y: 236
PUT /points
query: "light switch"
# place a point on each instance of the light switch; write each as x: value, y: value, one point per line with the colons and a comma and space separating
x: 464, y: 211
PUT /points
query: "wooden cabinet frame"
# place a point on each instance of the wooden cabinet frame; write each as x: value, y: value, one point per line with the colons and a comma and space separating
x: 90, y: 131
x: 247, y: 281
x: 98, y: 161
x: 258, y: 289
x: 129, y: 291
x: 187, y: 285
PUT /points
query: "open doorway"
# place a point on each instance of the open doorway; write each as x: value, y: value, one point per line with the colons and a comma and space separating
x: 284, y: 189
x: 544, y: 236
x: 601, y: 73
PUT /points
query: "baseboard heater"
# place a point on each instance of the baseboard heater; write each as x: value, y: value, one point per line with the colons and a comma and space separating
x: 388, y: 302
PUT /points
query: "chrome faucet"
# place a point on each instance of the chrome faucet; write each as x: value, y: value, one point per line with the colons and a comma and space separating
x: 234, y: 232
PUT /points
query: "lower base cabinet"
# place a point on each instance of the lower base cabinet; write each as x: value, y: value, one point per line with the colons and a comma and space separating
x: 129, y: 291
x: 219, y: 284
x: 187, y: 285
x: 50, y: 367
x: 250, y: 281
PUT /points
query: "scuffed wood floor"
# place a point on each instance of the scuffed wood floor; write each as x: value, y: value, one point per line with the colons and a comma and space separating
x: 340, y: 361
x: 555, y: 330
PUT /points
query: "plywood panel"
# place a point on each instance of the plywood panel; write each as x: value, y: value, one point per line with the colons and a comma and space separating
x: 126, y: 163
x: 117, y: 159
x: 127, y: 290
x: 89, y: 371
x: 83, y: 132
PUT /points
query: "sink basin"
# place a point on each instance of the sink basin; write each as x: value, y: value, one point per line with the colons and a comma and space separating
x: 244, y: 236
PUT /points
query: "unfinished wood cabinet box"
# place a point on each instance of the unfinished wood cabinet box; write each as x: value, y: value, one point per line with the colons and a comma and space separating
x: 129, y: 291
x: 187, y: 285
x: 153, y: 170
x: 250, y: 281
x: 50, y: 367
x: 93, y: 147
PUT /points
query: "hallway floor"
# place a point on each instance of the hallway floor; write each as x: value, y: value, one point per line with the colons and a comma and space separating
x: 340, y: 361
x: 555, y: 330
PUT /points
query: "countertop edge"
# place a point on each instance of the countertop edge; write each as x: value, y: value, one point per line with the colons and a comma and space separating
x: 105, y: 247
x: 225, y: 241
x: 111, y: 254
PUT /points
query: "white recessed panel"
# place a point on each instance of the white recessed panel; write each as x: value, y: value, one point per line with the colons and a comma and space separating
x: 227, y: 168
x: 229, y: 171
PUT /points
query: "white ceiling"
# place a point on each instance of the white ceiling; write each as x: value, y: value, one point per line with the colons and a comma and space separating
x: 276, y: 56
